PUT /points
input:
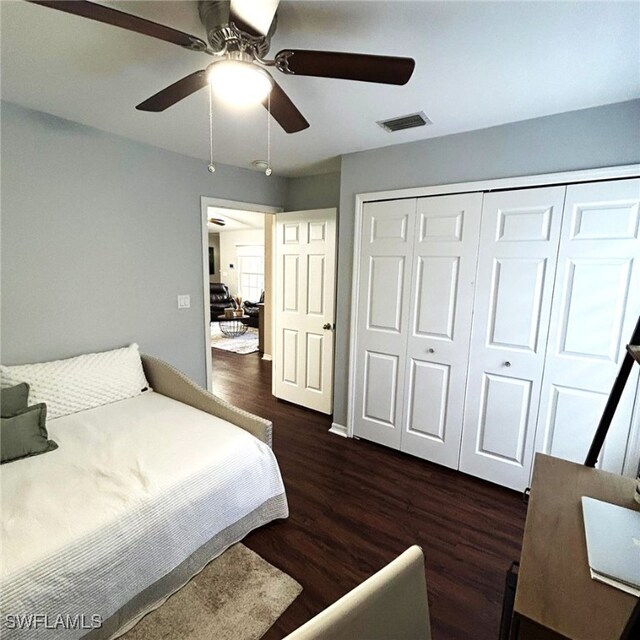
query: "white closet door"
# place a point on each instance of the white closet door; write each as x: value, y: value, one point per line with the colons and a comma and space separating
x: 595, y: 307
x: 443, y: 274
x: 383, y: 318
x: 516, y: 267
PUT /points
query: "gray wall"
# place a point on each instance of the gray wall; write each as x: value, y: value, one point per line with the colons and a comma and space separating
x: 99, y: 235
x: 598, y: 137
x: 314, y: 192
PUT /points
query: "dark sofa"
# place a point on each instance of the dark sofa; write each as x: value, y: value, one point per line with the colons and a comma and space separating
x: 219, y: 299
x: 252, y: 310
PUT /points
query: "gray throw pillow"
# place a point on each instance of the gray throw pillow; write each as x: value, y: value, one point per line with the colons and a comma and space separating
x: 25, y: 434
x: 13, y: 400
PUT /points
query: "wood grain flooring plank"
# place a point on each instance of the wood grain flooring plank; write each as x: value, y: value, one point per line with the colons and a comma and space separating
x: 354, y: 506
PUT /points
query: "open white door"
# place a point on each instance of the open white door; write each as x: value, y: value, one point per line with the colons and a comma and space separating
x: 305, y: 246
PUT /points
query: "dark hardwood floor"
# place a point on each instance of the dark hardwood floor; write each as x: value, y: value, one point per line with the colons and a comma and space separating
x: 354, y: 506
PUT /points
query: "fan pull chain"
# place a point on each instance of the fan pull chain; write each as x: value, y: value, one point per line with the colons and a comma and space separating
x: 212, y: 166
x: 268, y: 169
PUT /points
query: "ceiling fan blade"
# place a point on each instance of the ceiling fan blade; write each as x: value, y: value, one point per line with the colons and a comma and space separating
x: 254, y: 16
x: 284, y: 112
x: 347, y: 66
x: 175, y: 92
x: 219, y: 221
x: 124, y: 20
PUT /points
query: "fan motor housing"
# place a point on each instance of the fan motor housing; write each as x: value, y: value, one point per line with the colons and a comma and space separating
x: 224, y: 35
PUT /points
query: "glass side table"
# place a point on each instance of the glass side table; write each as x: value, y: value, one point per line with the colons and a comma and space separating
x: 233, y: 327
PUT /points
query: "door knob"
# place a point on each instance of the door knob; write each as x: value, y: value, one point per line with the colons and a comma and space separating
x: 507, y: 364
x: 326, y: 325
x: 431, y: 350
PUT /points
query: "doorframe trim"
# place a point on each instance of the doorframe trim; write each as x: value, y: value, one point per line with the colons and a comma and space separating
x: 211, y: 201
x: 515, y: 182
x: 338, y: 429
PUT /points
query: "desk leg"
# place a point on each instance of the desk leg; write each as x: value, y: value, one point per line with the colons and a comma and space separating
x: 514, y: 632
x: 508, y: 620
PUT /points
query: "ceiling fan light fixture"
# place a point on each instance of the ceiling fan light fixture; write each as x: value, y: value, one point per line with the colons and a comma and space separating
x: 238, y: 83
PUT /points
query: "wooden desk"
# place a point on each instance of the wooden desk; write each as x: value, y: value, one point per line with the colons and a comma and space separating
x: 556, y: 596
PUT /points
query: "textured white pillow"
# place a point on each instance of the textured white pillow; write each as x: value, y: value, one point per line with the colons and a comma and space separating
x: 86, y: 381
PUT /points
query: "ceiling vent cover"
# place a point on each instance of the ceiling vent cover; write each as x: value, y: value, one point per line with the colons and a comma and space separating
x: 405, y: 122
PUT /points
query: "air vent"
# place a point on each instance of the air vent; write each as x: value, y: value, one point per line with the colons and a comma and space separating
x: 405, y: 122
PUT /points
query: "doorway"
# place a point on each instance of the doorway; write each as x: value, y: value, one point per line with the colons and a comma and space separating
x: 246, y: 243
x: 237, y: 268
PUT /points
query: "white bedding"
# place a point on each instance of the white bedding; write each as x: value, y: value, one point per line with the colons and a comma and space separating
x: 134, y: 488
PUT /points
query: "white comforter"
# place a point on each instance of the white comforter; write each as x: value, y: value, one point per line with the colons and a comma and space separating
x: 134, y: 488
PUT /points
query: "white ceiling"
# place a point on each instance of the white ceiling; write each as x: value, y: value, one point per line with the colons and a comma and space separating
x: 478, y: 64
x: 235, y: 219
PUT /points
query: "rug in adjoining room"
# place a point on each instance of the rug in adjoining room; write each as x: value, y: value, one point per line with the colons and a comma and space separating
x: 237, y: 596
x: 247, y: 343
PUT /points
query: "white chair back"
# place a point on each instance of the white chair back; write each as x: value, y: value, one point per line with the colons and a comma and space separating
x: 390, y: 605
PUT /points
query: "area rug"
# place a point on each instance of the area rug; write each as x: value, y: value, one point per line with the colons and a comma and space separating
x: 247, y: 343
x: 237, y: 596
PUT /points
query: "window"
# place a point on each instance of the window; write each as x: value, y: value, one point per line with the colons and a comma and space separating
x: 250, y: 271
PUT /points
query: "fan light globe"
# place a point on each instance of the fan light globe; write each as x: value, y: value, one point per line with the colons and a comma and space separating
x: 239, y: 83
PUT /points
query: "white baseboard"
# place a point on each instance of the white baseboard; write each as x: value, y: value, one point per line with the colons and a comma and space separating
x: 267, y: 356
x: 338, y: 429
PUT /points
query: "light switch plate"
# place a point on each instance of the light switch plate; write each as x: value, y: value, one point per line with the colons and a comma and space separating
x: 184, y: 301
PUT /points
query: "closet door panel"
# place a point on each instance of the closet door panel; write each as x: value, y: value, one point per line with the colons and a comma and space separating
x: 595, y: 307
x: 593, y: 289
x: 385, y: 293
x: 504, y: 400
x: 437, y: 279
x: 380, y: 387
x: 383, y: 304
x: 428, y: 397
x: 514, y: 285
x: 442, y: 277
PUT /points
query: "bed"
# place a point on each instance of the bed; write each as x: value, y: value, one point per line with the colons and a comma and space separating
x: 141, y: 494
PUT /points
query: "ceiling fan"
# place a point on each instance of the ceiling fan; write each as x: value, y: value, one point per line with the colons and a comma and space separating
x: 239, y: 35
